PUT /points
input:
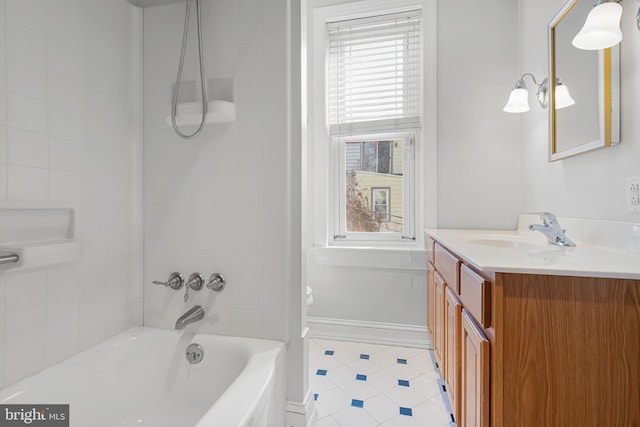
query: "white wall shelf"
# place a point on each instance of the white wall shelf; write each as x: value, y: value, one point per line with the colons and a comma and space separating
x: 40, y: 237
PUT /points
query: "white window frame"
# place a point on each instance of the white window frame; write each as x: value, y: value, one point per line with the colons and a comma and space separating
x: 338, y: 172
x: 318, y: 155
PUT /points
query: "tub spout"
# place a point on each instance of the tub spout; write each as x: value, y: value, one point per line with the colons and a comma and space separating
x: 194, y: 314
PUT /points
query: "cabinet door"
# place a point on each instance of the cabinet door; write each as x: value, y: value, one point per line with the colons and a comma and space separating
x: 438, y: 320
x: 431, y: 302
x: 452, y: 320
x: 474, y: 392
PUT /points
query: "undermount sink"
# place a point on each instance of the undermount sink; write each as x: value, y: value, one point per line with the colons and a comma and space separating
x: 507, y: 241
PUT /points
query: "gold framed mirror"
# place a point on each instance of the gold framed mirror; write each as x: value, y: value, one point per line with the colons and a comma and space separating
x: 594, y: 80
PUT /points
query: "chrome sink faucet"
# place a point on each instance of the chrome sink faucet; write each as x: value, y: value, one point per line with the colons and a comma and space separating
x: 552, y: 230
x: 194, y: 314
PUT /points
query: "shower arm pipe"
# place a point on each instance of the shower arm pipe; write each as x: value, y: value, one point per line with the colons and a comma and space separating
x: 203, y: 83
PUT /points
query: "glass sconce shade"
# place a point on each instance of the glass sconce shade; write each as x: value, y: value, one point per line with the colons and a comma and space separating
x: 518, y: 102
x: 601, y: 29
x: 562, y: 96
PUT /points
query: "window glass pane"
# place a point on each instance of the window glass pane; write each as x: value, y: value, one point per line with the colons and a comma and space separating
x: 384, y: 157
x: 374, y: 193
x: 369, y: 162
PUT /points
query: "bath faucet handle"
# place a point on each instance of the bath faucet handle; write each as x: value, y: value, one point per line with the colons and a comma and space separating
x: 216, y: 282
x: 195, y: 282
x: 175, y: 281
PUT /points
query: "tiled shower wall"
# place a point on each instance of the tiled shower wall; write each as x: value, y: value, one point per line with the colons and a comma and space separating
x: 218, y: 203
x: 70, y: 136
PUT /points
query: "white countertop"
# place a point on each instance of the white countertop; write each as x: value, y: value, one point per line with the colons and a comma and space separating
x: 527, y: 252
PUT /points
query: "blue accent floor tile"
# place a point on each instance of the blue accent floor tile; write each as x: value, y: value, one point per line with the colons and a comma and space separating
x: 321, y: 372
x: 403, y: 383
x: 361, y: 377
x: 315, y: 396
x: 402, y: 361
x: 357, y: 403
x: 364, y: 356
x: 329, y: 353
x: 406, y: 411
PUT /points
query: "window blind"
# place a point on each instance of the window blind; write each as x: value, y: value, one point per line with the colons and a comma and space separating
x: 373, y: 74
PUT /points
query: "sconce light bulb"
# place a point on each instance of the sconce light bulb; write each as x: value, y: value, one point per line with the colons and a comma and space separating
x: 518, y: 101
x: 562, y: 97
x: 601, y: 29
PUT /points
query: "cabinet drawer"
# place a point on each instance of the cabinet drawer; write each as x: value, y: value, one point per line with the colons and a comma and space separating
x: 448, y: 266
x: 475, y: 293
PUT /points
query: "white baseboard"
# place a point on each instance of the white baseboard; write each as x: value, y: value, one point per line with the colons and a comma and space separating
x: 302, y: 414
x: 369, y: 332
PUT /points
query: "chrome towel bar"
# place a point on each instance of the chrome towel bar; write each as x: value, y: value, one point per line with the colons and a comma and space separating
x: 6, y: 259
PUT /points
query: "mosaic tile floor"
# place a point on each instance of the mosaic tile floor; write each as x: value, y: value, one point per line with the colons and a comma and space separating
x: 365, y: 385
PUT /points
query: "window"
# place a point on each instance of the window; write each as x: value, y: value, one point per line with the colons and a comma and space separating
x: 373, y: 86
x: 380, y: 203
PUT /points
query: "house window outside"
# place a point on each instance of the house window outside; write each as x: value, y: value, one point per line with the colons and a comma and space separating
x: 380, y: 203
x: 373, y: 116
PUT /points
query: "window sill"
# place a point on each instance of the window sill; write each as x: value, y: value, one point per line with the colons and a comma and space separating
x: 368, y: 257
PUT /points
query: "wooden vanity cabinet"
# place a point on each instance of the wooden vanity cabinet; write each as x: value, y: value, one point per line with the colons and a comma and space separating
x: 474, y: 371
x: 459, y: 363
x: 438, y: 322
x: 535, y: 350
x: 451, y: 373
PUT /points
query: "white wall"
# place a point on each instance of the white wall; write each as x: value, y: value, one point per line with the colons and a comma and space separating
x: 218, y: 203
x: 590, y: 185
x: 479, y: 183
x: 70, y: 136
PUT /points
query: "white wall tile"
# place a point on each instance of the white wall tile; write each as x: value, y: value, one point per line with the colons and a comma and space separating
x: 250, y: 297
x: 225, y: 171
x: 65, y: 92
x: 65, y: 186
x: 25, y: 325
x: 24, y: 359
x: 43, y: 125
x: 65, y: 155
x: 3, y: 145
x: 66, y: 123
x: 65, y: 28
x: 274, y: 243
x: 249, y: 27
x: 28, y: 148
x: 63, y: 60
x: 3, y: 32
x: 25, y: 290
x: 3, y: 288
x: 63, y: 282
x: 26, y: 183
x: 3, y: 108
x: 26, y: 43
x: 31, y: 13
x: 26, y: 78
x: 26, y: 113
x: 3, y: 182
x: 3, y: 69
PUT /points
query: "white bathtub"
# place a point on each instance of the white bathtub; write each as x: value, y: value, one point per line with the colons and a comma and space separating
x: 141, y: 377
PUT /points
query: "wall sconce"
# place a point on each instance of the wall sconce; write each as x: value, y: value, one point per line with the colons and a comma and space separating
x: 601, y: 29
x: 518, y: 99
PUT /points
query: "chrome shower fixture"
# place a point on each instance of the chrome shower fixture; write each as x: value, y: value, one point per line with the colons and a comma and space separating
x: 203, y: 80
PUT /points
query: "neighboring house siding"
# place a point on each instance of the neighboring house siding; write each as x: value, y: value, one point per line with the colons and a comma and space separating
x: 353, y: 155
x: 368, y: 180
